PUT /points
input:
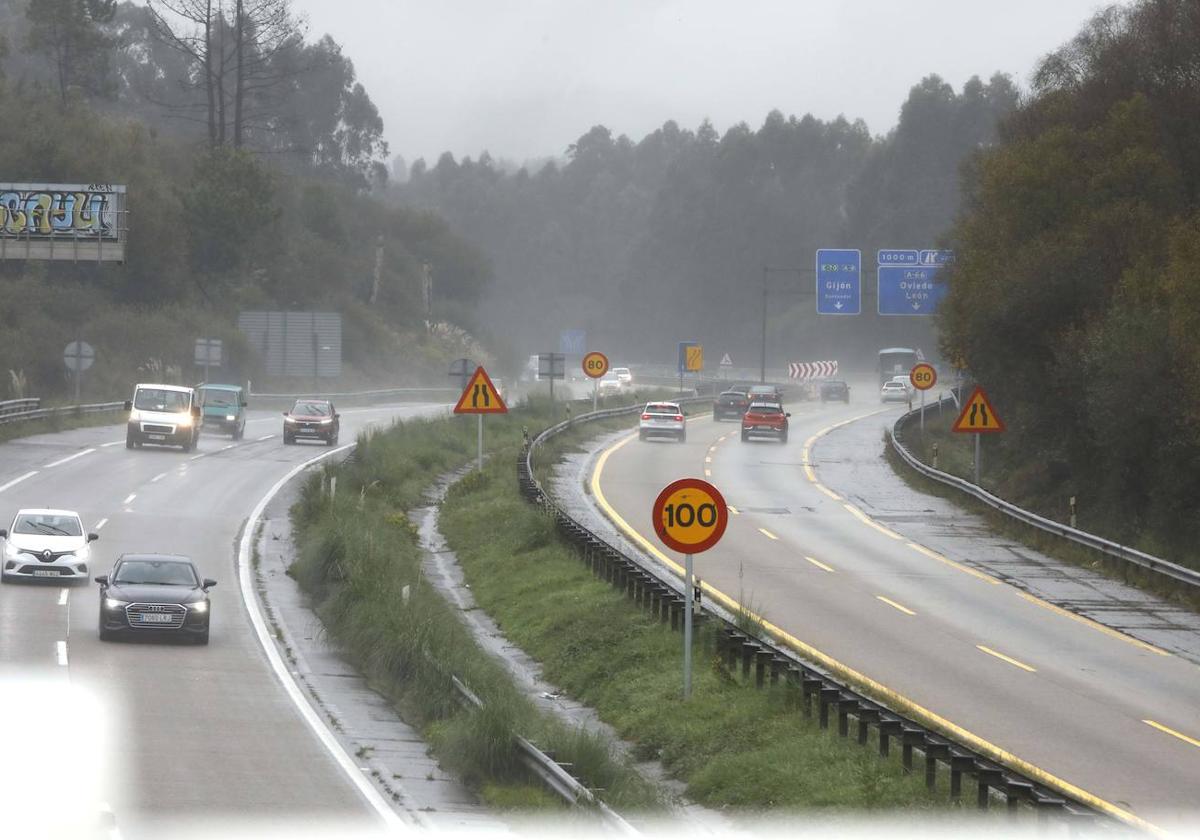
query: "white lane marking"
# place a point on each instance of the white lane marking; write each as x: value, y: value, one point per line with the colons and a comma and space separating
x: 265, y: 640
x: 61, y: 650
x: 230, y: 446
x: 29, y: 474
x: 265, y: 437
x: 158, y: 477
x: 197, y: 457
x: 129, y: 498
x: 767, y: 534
x: 62, y: 461
x: 820, y: 565
x: 63, y: 595
x: 112, y: 443
x: 101, y: 523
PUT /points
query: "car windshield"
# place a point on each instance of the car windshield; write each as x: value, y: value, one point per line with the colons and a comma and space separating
x: 158, y: 572
x: 158, y: 399
x: 218, y: 397
x: 58, y: 525
x: 311, y: 409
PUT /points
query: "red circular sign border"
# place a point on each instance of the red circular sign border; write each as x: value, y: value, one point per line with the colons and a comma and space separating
x: 693, y: 484
x: 583, y: 364
x: 931, y: 384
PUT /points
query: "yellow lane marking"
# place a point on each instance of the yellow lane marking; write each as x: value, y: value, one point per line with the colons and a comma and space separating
x: 1007, y: 659
x: 1171, y: 731
x: 1095, y: 625
x: 733, y: 510
x: 892, y: 603
x: 828, y: 492
x: 707, y: 473
x: 935, y: 556
x: 897, y: 701
x: 820, y: 565
x: 871, y: 523
x: 767, y: 534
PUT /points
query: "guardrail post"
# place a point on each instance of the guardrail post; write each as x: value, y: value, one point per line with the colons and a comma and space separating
x: 761, y: 658
x: 826, y: 698
x: 887, y: 729
x: 987, y: 778
x: 846, y: 706
x: 748, y: 648
x: 777, y: 666
x: 909, y: 738
x: 958, y: 764
x: 866, y: 716
x: 810, y: 686
x: 933, y: 753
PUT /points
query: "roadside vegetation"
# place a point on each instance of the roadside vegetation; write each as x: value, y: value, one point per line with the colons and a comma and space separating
x: 360, y: 561
x: 1076, y: 298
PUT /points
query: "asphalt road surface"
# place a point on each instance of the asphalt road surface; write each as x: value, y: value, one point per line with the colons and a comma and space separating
x: 1098, y: 709
x: 194, y: 733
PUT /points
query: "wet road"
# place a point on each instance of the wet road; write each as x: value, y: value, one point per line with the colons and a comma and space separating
x: 1093, y: 707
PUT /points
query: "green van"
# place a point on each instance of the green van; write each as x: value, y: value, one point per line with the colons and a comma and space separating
x: 224, y: 408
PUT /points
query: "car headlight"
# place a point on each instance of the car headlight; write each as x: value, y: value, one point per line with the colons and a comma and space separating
x: 83, y: 552
x: 10, y: 550
x: 184, y: 421
x: 289, y: 420
x: 114, y: 604
x: 231, y: 417
x: 326, y: 420
x: 134, y: 415
x: 198, y: 606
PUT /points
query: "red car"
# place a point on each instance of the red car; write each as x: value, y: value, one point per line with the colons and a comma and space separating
x: 765, y: 419
x: 311, y: 419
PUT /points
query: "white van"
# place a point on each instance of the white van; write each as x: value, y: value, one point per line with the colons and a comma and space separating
x: 166, y: 415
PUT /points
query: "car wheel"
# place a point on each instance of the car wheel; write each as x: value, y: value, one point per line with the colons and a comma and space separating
x: 288, y: 440
x: 745, y: 437
x: 683, y: 437
x: 202, y: 638
x: 783, y: 437
x: 641, y: 435
x: 107, y: 635
x: 130, y: 443
x: 188, y: 445
x: 4, y: 578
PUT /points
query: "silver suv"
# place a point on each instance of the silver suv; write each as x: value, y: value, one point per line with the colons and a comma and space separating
x: 43, y: 543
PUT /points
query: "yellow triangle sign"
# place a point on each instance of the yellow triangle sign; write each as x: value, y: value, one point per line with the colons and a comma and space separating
x: 978, y: 415
x: 480, y: 396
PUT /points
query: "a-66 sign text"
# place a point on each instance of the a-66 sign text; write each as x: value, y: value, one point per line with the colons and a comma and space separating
x: 690, y: 515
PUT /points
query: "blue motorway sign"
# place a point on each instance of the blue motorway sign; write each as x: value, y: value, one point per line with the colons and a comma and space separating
x: 905, y: 290
x: 572, y: 342
x: 839, y: 281
x: 897, y: 256
x: 933, y: 257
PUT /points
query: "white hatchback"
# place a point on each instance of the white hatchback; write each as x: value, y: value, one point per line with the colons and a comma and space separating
x: 662, y: 419
x: 46, y: 544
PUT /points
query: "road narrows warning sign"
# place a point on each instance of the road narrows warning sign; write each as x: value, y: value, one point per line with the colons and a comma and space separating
x: 978, y: 415
x: 480, y: 396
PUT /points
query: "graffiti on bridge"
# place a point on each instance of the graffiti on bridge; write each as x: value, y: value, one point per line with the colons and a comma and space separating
x: 60, y: 210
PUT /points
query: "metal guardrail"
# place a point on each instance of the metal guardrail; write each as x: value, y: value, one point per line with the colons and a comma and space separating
x: 657, y: 591
x: 1173, y: 571
x: 379, y: 393
x: 15, y: 411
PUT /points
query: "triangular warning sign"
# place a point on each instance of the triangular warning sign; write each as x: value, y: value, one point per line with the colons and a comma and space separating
x: 726, y: 361
x: 978, y: 415
x: 480, y: 396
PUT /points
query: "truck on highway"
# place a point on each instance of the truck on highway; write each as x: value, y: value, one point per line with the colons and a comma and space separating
x: 896, y: 361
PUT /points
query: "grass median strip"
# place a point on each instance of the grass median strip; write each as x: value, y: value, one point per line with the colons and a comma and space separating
x: 734, y: 745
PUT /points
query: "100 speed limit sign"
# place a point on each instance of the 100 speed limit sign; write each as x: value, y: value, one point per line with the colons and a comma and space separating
x: 690, y: 515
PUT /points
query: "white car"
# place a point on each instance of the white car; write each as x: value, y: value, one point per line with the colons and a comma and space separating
x: 662, y: 418
x: 610, y: 385
x: 43, y: 543
x: 624, y: 376
x: 893, y: 391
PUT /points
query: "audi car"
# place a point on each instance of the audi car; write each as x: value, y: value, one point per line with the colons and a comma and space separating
x: 662, y: 419
x: 46, y: 544
x: 731, y: 403
x: 835, y: 389
x: 154, y: 593
x: 311, y: 419
x: 765, y: 418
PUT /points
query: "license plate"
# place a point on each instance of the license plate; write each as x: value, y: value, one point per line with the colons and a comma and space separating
x: 157, y: 437
x: 45, y: 572
x: 157, y: 618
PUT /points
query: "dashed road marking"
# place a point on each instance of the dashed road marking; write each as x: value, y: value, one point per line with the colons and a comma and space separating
x: 129, y: 498
x: 111, y: 443
x: 63, y: 595
x: 265, y: 437
x: 1172, y: 732
x: 18, y: 480
x: 820, y: 565
x: 892, y: 603
x: 60, y: 649
x: 101, y: 523
x: 62, y: 461
x: 158, y: 477
x: 733, y: 510
x: 767, y: 534
x: 1007, y: 659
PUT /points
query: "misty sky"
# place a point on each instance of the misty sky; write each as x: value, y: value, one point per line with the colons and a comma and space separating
x: 524, y: 78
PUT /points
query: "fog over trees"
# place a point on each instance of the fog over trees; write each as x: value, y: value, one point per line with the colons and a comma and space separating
x: 644, y: 243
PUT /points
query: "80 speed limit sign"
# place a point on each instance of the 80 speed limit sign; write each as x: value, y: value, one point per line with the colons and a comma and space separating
x: 690, y: 515
x: 595, y: 364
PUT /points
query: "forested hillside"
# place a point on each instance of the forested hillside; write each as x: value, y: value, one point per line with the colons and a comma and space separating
x: 248, y: 170
x: 1077, y: 298
x: 648, y: 242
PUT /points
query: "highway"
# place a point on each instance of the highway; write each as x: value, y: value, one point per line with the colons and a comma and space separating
x: 195, y: 732
x: 1091, y: 707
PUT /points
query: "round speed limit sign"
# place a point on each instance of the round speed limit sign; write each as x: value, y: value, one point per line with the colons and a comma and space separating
x: 595, y: 364
x: 923, y: 376
x: 690, y: 515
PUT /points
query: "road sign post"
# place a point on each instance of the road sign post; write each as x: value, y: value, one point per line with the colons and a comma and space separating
x: 978, y: 417
x: 923, y: 376
x: 595, y: 365
x: 689, y: 516
x: 480, y: 397
x: 691, y: 359
x: 551, y: 366
x: 78, y: 356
